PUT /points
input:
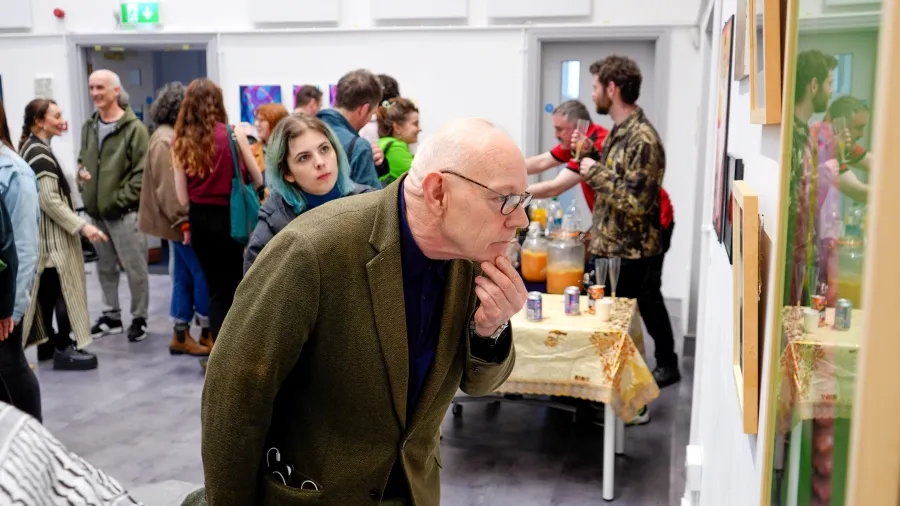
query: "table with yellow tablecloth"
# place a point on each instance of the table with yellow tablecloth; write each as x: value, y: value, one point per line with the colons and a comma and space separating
x: 582, y: 357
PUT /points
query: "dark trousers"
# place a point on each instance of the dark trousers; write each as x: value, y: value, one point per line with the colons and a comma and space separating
x: 220, y: 257
x: 18, y: 384
x: 50, y: 300
x: 641, y: 279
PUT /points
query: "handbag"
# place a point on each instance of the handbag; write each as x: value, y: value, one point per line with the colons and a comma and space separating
x: 244, y: 202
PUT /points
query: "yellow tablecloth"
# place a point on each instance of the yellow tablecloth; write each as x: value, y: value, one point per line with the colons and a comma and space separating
x: 580, y: 356
x: 818, y: 370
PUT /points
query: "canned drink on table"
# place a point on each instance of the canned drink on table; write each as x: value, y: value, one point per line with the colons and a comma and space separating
x: 572, y: 300
x: 819, y: 303
x: 535, y: 307
x: 842, y: 314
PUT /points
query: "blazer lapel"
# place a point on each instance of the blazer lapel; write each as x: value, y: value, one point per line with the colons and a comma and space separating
x: 385, y: 273
x: 456, y: 296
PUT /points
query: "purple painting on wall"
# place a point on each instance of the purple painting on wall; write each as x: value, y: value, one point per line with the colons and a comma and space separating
x: 332, y: 93
x: 255, y: 95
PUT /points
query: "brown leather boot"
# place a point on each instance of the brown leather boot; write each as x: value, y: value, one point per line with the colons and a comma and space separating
x: 183, y: 344
x: 206, y: 338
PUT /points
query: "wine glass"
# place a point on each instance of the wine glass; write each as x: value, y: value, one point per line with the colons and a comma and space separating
x: 581, y: 126
x: 840, y: 135
x: 601, y: 265
x: 614, y: 265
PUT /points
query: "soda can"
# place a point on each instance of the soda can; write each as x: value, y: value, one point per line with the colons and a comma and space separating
x: 819, y: 303
x: 842, y: 314
x: 535, y: 307
x: 572, y: 300
x: 595, y: 293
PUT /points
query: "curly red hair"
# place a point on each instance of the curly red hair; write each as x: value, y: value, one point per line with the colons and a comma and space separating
x: 202, y: 107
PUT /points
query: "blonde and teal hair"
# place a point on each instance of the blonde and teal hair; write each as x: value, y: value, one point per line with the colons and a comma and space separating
x: 278, y: 151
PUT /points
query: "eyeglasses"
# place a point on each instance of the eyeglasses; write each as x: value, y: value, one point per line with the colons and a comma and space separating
x: 510, y: 202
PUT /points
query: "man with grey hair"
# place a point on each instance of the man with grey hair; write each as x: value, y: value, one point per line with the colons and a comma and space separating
x: 111, y: 164
x: 565, y: 121
x: 340, y: 372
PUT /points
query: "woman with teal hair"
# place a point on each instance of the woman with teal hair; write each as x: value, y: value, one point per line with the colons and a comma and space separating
x: 306, y: 168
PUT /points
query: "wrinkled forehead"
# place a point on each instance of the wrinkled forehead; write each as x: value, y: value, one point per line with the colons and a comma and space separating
x: 100, y: 79
x: 559, y: 121
x: 501, y: 169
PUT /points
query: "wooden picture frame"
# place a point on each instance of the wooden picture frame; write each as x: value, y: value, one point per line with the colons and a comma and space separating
x: 723, y: 100
x: 742, y: 41
x: 766, y: 58
x: 746, y: 303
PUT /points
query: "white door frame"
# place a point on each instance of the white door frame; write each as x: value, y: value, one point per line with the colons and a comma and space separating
x: 76, y: 44
x: 535, y: 38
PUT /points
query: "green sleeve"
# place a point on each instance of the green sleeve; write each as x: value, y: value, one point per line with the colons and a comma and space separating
x: 130, y: 194
x: 400, y: 159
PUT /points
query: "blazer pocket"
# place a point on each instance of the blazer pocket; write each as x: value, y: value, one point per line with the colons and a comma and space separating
x: 277, y: 493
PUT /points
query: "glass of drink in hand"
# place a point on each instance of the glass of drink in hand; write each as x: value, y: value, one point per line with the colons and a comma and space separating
x: 581, y: 126
x: 840, y: 135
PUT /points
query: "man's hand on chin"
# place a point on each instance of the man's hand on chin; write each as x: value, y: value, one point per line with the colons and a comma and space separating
x: 502, y: 294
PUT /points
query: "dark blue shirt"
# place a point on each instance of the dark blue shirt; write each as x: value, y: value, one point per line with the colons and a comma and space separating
x: 423, y: 296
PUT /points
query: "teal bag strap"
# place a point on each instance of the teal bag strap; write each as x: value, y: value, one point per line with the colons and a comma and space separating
x: 234, y: 158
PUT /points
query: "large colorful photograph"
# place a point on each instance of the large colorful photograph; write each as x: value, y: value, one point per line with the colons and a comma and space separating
x: 255, y: 95
x: 723, y: 94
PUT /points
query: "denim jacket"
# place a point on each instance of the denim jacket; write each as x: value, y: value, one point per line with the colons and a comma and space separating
x: 19, y: 191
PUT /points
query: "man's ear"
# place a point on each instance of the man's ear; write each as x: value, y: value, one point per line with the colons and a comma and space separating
x: 434, y: 193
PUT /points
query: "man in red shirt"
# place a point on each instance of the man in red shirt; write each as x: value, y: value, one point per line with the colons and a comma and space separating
x: 565, y: 119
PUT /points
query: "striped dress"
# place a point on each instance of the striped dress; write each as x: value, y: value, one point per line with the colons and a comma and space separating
x: 37, y: 470
x: 59, y: 245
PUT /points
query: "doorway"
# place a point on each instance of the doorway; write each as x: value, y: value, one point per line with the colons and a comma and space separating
x: 144, y: 71
x: 565, y: 75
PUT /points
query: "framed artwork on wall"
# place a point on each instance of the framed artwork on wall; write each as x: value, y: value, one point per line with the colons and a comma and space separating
x: 765, y: 60
x: 745, y: 269
x: 735, y: 173
x: 255, y: 95
x: 742, y: 41
x: 723, y: 98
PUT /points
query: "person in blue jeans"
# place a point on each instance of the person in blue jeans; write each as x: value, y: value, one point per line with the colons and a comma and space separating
x: 161, y: 215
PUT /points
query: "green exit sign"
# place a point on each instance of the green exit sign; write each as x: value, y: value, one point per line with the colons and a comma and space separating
x: 140, y: 13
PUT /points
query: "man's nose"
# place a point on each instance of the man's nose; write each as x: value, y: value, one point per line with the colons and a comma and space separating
x: 518, y: 218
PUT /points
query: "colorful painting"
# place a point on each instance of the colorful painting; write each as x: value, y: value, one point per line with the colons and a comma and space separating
x: 332, y: 94
x: 255, y: 95
x: 720, y: 156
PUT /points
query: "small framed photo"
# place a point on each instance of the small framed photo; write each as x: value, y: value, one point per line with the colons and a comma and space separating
x: 735, y: 173
x: 745, y: 269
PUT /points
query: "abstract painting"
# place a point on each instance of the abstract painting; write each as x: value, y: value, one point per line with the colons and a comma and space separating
x: 735, y: 173
x: 255, y: 95
x: 332, y: 94
x: 723, y: 80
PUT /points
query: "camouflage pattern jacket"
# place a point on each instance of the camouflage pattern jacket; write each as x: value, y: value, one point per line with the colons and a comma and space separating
x: 627, y: 178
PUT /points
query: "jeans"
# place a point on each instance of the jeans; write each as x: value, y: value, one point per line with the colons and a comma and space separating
x: 641, y: 279
x: 128, y: 245
x: 189, y: 291
x: 220, y: 256
x: 18, y: 384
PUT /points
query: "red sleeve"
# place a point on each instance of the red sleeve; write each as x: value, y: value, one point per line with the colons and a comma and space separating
x: 563, y: 155
x: 601, y: 136
x: 666, y: 211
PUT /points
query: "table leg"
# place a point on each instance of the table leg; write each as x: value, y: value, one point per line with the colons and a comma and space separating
x: 620, y: 436
x: 609, y: 456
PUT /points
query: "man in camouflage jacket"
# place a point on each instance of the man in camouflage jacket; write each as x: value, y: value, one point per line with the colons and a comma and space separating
x: 627, y: 178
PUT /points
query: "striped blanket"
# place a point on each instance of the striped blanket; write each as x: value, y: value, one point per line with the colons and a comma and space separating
x: 37, y: 470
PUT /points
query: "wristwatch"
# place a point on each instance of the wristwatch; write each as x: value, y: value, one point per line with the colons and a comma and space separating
x: 493, y: 337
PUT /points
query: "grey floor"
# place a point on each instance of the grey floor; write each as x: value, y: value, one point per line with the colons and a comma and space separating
x: 138, y: 417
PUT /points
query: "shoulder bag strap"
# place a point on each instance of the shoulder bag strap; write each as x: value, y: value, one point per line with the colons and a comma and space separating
x: 351, y: 148
x: 234, y: 158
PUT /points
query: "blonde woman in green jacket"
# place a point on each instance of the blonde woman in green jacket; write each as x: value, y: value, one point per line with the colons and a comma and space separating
x: 398, y: 127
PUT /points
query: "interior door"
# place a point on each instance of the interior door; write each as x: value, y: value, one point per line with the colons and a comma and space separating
x: 565, y: 75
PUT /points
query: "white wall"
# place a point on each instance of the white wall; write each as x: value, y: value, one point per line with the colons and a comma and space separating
x: 732, y: 466
x: 476, y: 69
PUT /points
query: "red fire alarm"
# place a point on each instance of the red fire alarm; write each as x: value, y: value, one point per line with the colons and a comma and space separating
x: 59, y: 13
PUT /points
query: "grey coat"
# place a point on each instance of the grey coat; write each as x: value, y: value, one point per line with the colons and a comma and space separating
x: 274, y: 215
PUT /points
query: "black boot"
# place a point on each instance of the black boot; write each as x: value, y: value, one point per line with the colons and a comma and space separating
x: 45, y: 351
x: 666, y: 375
x: 70, y: 359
